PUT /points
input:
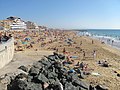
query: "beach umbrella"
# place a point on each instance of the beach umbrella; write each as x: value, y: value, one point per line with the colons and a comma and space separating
x: 24, y: 42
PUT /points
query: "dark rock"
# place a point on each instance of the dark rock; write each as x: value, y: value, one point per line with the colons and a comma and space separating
x: 23, y: 68
x: 41, y: 78
x: 68, y: 77
x: 58, y: 86
x: 37, y: 65
x: 51, y: 81
x: 52, y: 75
x: 21, y: 76
x: 69, y: 86
x: 45, y: 72
x: 101, y: 87
x: 46, y: 63
x: 18, y: 85
x: 63, y: 81
x: 33, y: 71
x: 51, y: 57
x: 29, y: 78
x: 54, y: 53
x: 58, y: 65
x: 61, y: 56
x: 34, y: 86
x: 81, y: 84
x: 91, y: 87
x: 74, y: 76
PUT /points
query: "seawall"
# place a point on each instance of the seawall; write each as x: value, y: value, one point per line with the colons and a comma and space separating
x: 6, y: 52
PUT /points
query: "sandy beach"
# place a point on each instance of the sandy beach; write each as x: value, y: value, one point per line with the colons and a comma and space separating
x: 43, y: 43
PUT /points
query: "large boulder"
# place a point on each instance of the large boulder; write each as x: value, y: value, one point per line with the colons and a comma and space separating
x: 34, y: 86
x: 37, y: 65
x: 52, y: 75
x: 33, y: 71
x: 23, y: 68
x: 61, y: 56
x: 81, y: 84
x: 41, y: 78
x: 18, y: 84
x: 69, y: 86
x: 101, y: 87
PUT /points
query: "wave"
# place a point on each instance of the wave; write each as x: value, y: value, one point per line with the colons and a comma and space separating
x: 112, y: 40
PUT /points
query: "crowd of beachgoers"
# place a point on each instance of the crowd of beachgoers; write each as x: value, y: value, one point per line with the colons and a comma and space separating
x: 4, y: 37
x: 98, y: 62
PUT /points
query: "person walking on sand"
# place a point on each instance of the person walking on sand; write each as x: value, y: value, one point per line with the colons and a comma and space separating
x: 83, y: 54
x: 94, y: 54
x: 64, y: 50
x: 80, y: 42
x: 81, y: 65
x: 112, y: 42
x: 92, y: 42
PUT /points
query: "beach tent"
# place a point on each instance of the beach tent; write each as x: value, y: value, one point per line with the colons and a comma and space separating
x: 27, y: 39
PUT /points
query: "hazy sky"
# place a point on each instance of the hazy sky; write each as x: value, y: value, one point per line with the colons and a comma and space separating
x: 65, y: 13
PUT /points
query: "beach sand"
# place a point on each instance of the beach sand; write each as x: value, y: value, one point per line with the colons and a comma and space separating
x: 107, y: 75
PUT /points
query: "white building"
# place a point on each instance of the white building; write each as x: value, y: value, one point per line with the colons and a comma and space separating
x: 36, y: 26
x: 18, y: 24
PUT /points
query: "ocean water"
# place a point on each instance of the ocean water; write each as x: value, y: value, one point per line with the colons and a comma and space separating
x: 108, y: 36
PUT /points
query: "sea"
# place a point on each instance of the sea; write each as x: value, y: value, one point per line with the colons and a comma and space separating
x: 108, y: 36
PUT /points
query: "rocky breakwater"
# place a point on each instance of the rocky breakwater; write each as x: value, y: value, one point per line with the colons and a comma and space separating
x: 49, y: 74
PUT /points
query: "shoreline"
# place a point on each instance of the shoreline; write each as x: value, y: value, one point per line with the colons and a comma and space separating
x: 107, y: 39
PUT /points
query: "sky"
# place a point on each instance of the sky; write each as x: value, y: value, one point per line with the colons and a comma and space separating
x: 67, y: 14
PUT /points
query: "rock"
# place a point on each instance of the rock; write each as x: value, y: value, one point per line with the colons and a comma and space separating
x: 34, y: 71
x: 51, y: 81
x: 45, y: 85
x: 37, y: 65
x: 81, y: 84
x: 46, y: 64
x: 74, y: 76
x: 47, y: 74
x: 19, y: 71
x: 6, y: 80
x: 52, y: 75
x: 30, y: 78
x: 51, y: 57
x: 18, y: 85
x: 41, y: 78
x: 58, y: 65
x: 101, y: 87
x: 91, y: 87
x: 23, y: 68
x: 61, y: 56
x: 54, y: 53
x: 34, y: 86
x: 63, y: 81
x: 82, y: 76
x: 21, y: 76
x: 69, y: 86
x: 58, y: 86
